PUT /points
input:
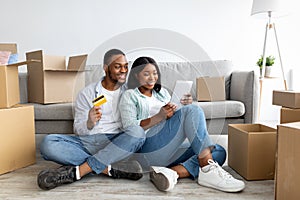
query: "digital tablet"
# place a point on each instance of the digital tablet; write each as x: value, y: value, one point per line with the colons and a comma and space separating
x: 181, y: 88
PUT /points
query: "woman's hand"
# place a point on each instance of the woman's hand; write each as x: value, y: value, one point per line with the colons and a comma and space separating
x: 167, y: 111
x: 94, y: 116
x: 186, y: 99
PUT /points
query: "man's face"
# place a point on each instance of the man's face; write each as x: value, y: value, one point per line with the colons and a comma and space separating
x: 116, y: 70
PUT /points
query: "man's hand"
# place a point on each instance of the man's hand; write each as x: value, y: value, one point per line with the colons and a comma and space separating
x: 94, y: 116
x: 167, y: 111
x: 186, y: 99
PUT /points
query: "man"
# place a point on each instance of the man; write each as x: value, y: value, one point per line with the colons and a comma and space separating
x: 99, y: 145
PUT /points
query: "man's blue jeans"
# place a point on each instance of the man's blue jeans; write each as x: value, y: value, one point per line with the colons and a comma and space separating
x: 163, y: 145
x: 98, y: 150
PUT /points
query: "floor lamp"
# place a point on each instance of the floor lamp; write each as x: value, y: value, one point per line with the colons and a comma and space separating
x: 267, y: 7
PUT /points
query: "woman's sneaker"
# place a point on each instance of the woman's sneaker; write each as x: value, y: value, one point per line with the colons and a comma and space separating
x: 216, y: 177
x: 163, y: 178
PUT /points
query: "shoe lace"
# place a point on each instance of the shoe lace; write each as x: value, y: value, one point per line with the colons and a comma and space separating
x: 221, y: 172
x: 65, y: 176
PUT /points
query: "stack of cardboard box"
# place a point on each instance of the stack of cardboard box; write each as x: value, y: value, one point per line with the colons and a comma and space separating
x: 17, y: 139
x: 288, y: 145
x: 290, y: 102
x: 49, y: 81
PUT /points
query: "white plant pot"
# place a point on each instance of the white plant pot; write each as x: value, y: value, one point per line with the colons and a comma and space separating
x: 268, y: 71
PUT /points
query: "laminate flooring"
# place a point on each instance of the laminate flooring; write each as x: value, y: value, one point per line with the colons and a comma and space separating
x: 21, y: 184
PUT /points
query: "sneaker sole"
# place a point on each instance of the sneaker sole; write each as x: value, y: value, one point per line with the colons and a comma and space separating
x: 237, y: 189
x: 159, y: 180
x: 42, y: 180
x: 133, y: 169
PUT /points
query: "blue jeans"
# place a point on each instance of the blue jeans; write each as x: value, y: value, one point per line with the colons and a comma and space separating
x: 163, y: 145
x: 99, y: 150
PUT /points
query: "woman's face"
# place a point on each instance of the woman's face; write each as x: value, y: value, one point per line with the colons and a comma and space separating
x: 148, y: 76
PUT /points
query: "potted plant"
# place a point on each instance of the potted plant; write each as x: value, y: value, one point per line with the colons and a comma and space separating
x: 269, y: 62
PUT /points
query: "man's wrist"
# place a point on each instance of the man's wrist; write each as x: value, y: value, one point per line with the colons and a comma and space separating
x: 90, y: 125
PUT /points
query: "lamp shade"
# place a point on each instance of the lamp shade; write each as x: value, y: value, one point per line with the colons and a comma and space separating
x: 264, y: 6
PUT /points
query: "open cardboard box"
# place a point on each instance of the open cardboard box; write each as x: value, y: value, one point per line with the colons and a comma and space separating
x: 251, y: 150
x: 9, y: 84
x: 9, y: 79
x: 51, y: 81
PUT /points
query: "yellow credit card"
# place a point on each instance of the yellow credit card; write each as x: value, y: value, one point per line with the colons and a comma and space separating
x: 99, y: 100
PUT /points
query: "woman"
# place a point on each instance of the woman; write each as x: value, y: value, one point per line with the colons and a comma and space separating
x: 147, y: 104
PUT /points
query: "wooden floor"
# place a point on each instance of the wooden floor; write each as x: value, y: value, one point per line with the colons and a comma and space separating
x: 21, y: 184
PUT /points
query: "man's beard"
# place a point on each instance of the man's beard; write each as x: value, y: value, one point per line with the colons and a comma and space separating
x: 114, y: 80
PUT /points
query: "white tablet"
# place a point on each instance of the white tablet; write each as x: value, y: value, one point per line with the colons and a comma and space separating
x: 181, y: 88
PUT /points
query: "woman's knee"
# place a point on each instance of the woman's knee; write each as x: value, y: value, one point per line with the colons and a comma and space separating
x: 137, y: 132
x: 192, y: 108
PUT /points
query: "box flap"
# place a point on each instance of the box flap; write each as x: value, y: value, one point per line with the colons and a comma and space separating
x: 77, y: 63
x: 246, y: 128
x: 286, y: 91
x: 47, y: 62
x: 295, y: 125
x: 54, y: 63
x: 9, y: 47
x: 21, y: 63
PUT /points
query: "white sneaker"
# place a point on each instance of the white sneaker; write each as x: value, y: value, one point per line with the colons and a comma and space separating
x: 216, y: 177
x: 163, y: 178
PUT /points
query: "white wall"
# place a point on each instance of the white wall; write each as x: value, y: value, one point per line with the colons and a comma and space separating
x: 224, y: 29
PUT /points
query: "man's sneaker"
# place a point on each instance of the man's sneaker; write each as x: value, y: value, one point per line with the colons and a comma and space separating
x: 216, y: 177
x: 130, y: 169
x: 163, y: 178
x: 51, y: 178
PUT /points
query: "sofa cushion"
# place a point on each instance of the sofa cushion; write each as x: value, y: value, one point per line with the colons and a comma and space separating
x: 222, y: 109
x: 59, y: 111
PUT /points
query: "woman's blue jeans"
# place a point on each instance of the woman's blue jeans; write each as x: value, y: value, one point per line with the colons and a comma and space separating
x: 99, y: 150
x: 164, y: 142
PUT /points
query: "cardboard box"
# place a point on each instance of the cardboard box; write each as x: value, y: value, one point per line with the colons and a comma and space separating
x: 251, y: 150
x: 287, y: 163
x: 289, y: 99
x: 17, y: 143
x: 288, y: 115
x: 50, y: 81
x: 9, y: 79
x: 11, y: 47
x: 9, y: 85
x: 210, y: 89
x: 9, y: 82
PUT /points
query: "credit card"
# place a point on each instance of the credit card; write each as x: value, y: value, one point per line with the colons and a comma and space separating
x: 99, y: 100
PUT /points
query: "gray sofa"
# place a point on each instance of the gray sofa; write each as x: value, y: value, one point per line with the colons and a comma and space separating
x: 240, y: 105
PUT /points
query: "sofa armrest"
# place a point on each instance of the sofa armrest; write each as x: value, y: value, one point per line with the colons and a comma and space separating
x: 244, y: 87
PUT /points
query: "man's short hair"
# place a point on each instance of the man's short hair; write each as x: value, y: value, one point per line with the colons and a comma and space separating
x: 107, y: 57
